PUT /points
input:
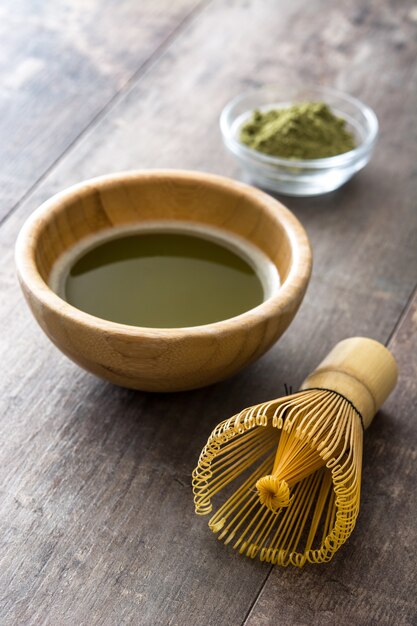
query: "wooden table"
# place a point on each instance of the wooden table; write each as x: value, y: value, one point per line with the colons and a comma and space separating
x: 97, y: 518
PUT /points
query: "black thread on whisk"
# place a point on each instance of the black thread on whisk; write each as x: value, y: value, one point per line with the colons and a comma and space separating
x: 341, y: 396
x: 288, y: 390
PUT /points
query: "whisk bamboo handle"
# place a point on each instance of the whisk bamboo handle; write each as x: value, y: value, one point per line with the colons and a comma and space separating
x: 362, y: 370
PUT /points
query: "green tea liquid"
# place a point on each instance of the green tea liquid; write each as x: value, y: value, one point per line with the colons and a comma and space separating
x: 162, y: 280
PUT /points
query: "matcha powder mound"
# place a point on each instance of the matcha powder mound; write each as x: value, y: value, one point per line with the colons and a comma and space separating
x: 303, y: 131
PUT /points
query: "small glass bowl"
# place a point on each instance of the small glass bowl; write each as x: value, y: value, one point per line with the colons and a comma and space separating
x: 300, y: 177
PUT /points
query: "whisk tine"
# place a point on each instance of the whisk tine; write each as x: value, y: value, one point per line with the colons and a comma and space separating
x: 296, y: 462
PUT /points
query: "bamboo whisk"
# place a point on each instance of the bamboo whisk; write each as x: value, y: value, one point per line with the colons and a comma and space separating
x: 296, y: 461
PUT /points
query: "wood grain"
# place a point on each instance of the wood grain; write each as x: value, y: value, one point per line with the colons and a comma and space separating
x: 97, y: 523
x: 61, y: 64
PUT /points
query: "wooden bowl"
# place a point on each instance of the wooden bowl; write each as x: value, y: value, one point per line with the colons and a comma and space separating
x: 154, y: 359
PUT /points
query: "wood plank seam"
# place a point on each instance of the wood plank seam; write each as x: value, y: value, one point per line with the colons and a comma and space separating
x: 388, y: 343
x: 255, y: 600
x: 103, y: 437
x: 402, y: 317
x: 135, y: 77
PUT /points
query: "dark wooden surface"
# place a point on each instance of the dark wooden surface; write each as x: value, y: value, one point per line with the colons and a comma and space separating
x: 97, y: 523
x: 63, y: 64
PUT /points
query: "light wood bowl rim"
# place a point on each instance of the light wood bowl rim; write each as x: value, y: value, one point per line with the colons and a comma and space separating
x: 296, y: 280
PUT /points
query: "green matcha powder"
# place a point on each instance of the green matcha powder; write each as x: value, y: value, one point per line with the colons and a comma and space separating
x: 302, y: 131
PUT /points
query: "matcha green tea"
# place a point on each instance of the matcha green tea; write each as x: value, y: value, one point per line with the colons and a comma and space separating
x: 307, y: 130
x: 162, y: 280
